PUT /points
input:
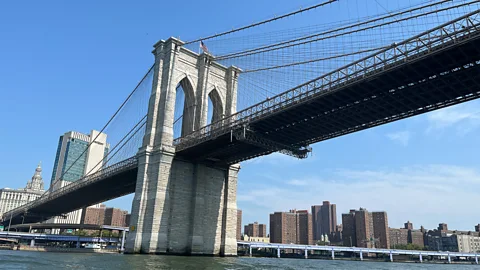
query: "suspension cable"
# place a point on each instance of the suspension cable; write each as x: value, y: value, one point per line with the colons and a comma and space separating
x: 109, y: 121
x: 263, y: 22
x: 314, y: 60
x: 271, y: 47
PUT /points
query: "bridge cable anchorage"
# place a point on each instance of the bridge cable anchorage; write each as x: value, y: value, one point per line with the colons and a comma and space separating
x: 286, y: 44
x: 103, y: 129
x: 275, y: 18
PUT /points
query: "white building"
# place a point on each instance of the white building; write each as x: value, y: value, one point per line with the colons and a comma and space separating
x: 13, y: 198
x: 74, y: 159
x: 468, y: 243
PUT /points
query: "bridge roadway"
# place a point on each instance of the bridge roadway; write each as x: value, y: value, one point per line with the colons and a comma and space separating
x: 360, y: 250
x: 432, y: 70
x: 108, y: 183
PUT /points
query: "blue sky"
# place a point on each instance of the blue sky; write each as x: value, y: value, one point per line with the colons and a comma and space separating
x: 68, y: 65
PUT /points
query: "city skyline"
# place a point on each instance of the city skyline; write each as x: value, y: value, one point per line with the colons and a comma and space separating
x: 427, y: 162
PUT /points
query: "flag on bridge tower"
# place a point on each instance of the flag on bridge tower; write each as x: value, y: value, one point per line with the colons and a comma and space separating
x: 203, y: 47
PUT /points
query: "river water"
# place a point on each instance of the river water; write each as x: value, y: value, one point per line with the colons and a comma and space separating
x: 47, y: 260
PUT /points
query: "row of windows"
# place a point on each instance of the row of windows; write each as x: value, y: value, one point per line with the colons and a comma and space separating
x: 74, y: 161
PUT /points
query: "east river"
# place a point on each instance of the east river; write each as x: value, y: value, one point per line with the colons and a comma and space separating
x: 47, y: 260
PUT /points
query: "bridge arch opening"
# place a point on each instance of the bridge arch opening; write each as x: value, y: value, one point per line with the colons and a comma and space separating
x: 184, y: 110
x: 215, y: 107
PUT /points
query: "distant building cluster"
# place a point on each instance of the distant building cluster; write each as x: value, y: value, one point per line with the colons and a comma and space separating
x: 359, y: 228
x: 73, y: 160
x: 13, y: 198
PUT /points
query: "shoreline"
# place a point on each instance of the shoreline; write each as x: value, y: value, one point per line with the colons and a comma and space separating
x: 376, y: 260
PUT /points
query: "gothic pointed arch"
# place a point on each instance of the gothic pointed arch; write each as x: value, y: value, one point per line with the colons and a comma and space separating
x: 184, y: 111
x: 217, y: 112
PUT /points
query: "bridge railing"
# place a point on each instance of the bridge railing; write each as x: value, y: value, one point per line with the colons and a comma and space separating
x: 84, y: 181
x: 397, y: 54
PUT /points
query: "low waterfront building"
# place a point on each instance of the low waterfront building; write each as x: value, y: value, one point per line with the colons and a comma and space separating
x: 256, y: 239
x: 13, y: 198
x: 468, y: 243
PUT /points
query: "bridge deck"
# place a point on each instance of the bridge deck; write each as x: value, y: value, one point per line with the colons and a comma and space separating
x: 437, y: 76
x: 112, y: 182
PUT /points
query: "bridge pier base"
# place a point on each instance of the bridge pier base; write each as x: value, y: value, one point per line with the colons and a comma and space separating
x: 361, y: 256
x: 333, y: 254
x: 183, y: 208
x: 32, y: 243
x: 278, y: 252
x: 476, y: 259
x: 391, y: 256
x: 420, y: 257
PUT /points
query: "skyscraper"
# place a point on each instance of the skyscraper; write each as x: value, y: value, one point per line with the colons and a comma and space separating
x: 442, y: 227
x: 363, y: 228
x: 349, y: 229
x: 366, y: 229
x: 304, y: 227
x: 324, y: 219
x: 283, y: 227
x: 239, y: 224
x: 408, y: 225
x: 262, y: 230
x: 255, y: 230
x: 94, y: 215
x: 13, y: 198
x: 251, y: 229
x: 115, y: 217
x: 381, y: 233
x: 291, y: 227
x: 73, y: 160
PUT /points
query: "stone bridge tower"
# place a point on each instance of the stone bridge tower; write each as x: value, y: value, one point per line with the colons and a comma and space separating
x: 180, y: 206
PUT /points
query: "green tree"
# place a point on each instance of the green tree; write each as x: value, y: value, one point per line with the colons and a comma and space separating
x: 80, y: 232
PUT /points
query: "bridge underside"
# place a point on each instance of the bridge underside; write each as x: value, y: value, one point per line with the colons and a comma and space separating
x: 426, y: 83
x: 99, y: 191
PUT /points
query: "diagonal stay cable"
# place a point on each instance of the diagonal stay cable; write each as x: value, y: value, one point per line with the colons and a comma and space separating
x: 113, y: 149
x: 109, y: 121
